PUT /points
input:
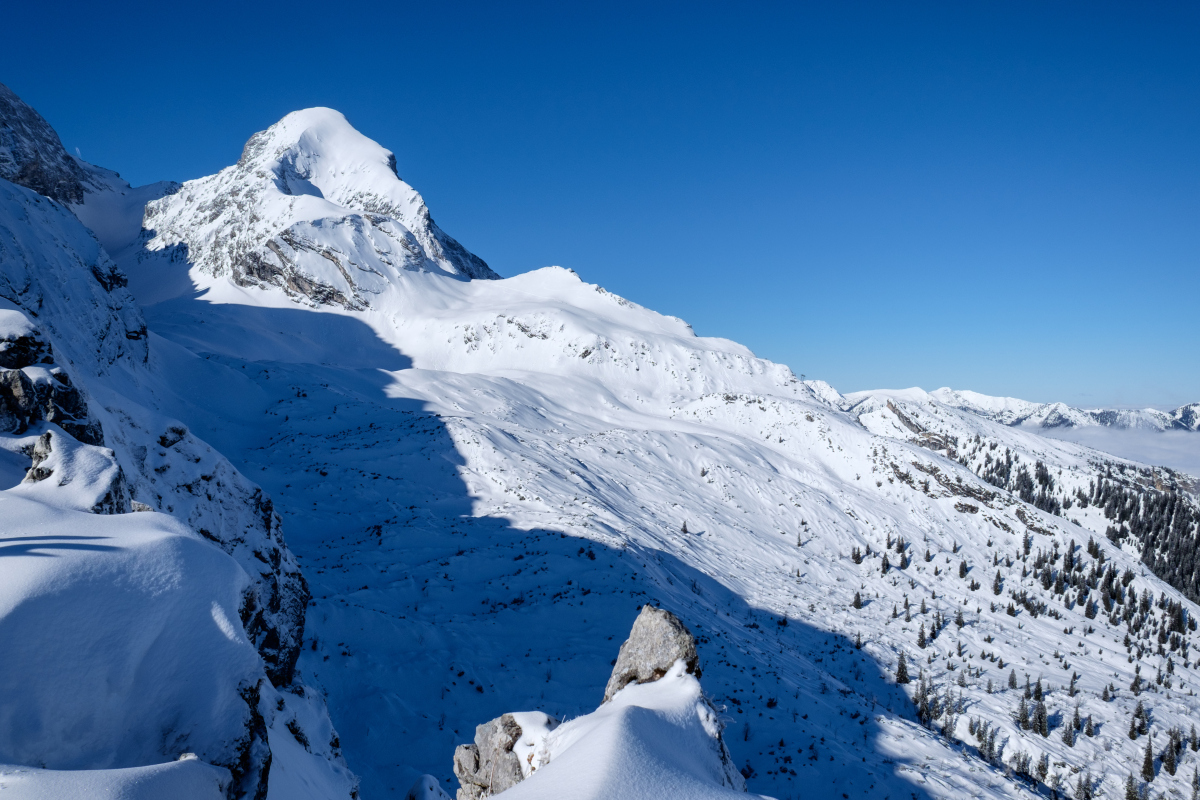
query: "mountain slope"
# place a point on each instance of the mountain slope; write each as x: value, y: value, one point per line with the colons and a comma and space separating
x: 485, y: 479
x: 82, y: 429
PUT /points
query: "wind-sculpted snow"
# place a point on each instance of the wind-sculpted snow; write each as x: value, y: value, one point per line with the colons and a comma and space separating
x: 312, y: 207
x: 121, y: 642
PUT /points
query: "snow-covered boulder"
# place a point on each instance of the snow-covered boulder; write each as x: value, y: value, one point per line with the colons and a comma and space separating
x: 658, y: 640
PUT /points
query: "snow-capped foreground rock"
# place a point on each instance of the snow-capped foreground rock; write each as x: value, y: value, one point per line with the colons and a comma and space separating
x: 654, y: 736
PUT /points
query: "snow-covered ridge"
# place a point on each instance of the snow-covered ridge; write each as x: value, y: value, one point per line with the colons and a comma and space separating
x: 312, y: 207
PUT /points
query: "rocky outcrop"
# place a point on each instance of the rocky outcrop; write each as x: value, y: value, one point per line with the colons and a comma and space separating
x: 31, y: 154
x: 657, y: 641
x: 489, y: 766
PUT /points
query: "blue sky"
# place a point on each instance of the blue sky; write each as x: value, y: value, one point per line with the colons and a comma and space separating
x: 996, y: 196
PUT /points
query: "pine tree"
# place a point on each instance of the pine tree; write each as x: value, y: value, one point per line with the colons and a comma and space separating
x: 1104, y: 696
x: 1028, y: 690
x: 1041, y: 719
x: 962, y: 569
x: 1131, y: 792
x: 1023, y: 714
x: 1083, y: 788
x: 958, y: 618
x: 1012, y: 679
x: 1068, y: 736
x: 901, y: 671
x: 1077, y: 723
x: 886, y: 565
x: 1196, y: 784
x: 997, y: 585
x: 921, y: 636
x: 857, y: 600
x: 923, y: 609
x: 1148, y: 763
x: 858, y: 646
x: 1089, y: 729
x: 1037, y: 690
x: 1168, y: 757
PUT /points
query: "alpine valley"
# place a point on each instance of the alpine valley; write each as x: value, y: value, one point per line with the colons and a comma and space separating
x: 302, y: 500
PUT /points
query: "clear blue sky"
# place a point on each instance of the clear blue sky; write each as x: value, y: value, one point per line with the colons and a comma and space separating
x: 996, y: 196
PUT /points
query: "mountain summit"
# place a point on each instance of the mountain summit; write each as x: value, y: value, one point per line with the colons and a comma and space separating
x: 312, y: 207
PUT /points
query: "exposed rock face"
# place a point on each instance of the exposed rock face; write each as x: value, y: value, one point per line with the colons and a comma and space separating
x: 489, y: 766
x: 32, y: 155
x: 657, y: 641
x: 32, y: 388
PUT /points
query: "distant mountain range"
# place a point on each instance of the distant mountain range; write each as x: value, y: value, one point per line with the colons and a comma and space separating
x: 1015, y: 412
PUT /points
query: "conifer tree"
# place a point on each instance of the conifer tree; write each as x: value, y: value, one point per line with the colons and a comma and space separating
x: 857, y: 600
x: 962, y: 569
x: 1131, y: 792
x: 1089, y: 729
x: 1041, y: 719
x: 1012, y: 679
x: 1168, y: 758
x: 1148, y: 763
x: 1068, y: 736
x: 997, y: 585
x: 901, y: 671
x: 921, y: 636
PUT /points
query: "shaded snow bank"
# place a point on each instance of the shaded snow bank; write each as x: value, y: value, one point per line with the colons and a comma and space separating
x: 186, y: 779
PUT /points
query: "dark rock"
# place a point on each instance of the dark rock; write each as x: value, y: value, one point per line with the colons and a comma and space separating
x: 657, y: 641
x: 32, y: 155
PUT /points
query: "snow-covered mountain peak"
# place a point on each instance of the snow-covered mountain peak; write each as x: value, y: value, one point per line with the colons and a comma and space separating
x: 312, y: 207
x: 317, y: 153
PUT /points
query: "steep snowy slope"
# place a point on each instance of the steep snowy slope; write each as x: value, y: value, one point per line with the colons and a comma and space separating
x: 81, y: 429
x: 484, y: 481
